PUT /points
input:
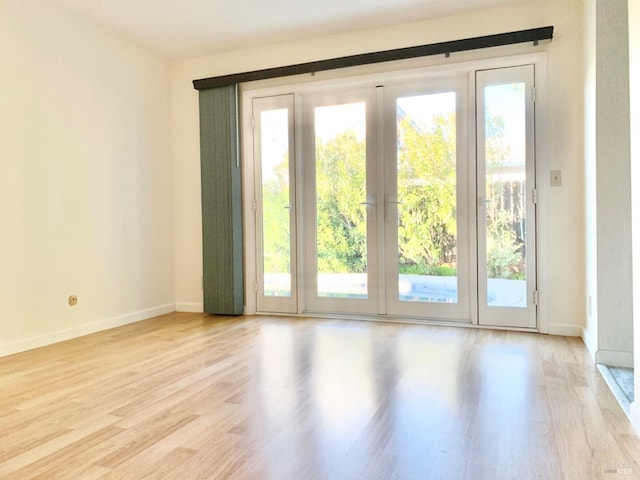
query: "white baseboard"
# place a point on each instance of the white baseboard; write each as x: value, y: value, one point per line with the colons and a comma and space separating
x: 68, y: 334
x: 634, y: 416
x: 565, y: 330
x: 614, y: 358
x: 590, y: 341
x: 190, y: 307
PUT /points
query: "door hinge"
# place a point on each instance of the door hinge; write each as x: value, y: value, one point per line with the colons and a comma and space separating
x: 255, y: 286
x: 533, y: 94
x: 535, y: 297
x: 253, y: 122
x: 534, y: 196
x: 255, y: 205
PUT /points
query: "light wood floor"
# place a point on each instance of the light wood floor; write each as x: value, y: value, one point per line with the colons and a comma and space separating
x: 185, y: 396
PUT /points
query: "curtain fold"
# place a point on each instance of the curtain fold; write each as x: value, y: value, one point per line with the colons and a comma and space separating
x: 223, y: 283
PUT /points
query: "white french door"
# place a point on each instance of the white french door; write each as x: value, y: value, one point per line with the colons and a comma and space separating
x: 426, y: 230
x: 381, y: 201
x: 506, y: 213
x: 274, y: 202
x: 340, y: 201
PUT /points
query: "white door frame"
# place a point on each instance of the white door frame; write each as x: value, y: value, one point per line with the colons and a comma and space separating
x: 427, y: 68
x: 460, y: 311
x: 503, y: 314
x: 312, y: 301
x: 273, y: 303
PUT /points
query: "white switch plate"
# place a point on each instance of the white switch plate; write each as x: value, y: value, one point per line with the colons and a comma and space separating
x: 555, y: 178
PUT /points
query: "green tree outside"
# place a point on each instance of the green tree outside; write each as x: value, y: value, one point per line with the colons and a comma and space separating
x: 427, y: 228
x: 341, y: 219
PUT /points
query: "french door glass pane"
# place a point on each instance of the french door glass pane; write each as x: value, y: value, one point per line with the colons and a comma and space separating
x: 276, y: 204
x: 505, y: 194
x: 341, y: 214
x: 426, y: 198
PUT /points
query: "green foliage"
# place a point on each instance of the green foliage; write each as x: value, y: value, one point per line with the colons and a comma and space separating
x: 275, y: 218
x: 427, y: 224
x: 427, y: 190
x: 440, y: 271
x: 503, y: 251
x: 340, y: 190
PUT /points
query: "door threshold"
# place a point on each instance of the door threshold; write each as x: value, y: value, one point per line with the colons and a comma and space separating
x: 398, y: 319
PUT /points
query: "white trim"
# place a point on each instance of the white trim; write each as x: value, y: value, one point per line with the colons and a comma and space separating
x: 614, y: 358
x: 190, y: 307
x: 249, y: 222
x: 565, y: 330
x: 542, y: 204
x: 634, y: 416
x: 98, y: 326
x: 590, y: 341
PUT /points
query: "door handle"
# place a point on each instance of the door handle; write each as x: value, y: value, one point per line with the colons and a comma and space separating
x: 386, y: 206
x: 372, y: 217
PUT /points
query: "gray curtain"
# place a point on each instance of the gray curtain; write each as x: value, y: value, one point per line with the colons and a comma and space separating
x: 221, y: 202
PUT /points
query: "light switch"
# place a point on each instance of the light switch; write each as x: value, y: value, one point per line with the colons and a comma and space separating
x: 556, y: 178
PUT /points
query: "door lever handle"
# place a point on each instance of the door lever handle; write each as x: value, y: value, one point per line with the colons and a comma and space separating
x: 371, y: 218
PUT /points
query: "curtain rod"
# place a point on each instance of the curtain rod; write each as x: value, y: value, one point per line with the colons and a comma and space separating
x: 500, y: 39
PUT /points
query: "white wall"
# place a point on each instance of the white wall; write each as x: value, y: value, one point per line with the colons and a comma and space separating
x: 613, y: 185
x: 634, y: 75
x: 563, y: 273
x: 607, y: 183
x: 85, y: 197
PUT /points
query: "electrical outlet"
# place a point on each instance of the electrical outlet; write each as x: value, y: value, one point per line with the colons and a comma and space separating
x: 73, y: 300
x: 555, y: 178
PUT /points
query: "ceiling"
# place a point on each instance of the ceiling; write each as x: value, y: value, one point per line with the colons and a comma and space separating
x: 182, y: 28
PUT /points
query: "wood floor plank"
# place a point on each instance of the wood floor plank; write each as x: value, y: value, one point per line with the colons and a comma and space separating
x: 190, y: 396
x: 55, y: 456
x: 143, y: 436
